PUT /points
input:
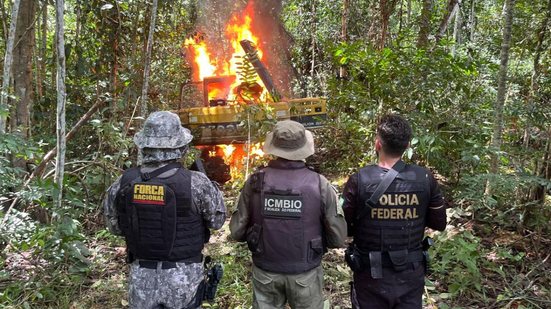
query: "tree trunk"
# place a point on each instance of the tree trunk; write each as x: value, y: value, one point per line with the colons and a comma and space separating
x: 472, y: 21
x: 23, y: 68
x: 502, y: 86
x: 408, y: 15
x: 147, y: 66
x: 37, y: 62
x: 536, y: 71
x: 4, y: 21
x: 453, y: 6
x: 313, y: 42
x: 457, y: 29
x: 344, y: 30
x: 115, y: 70
x: 44, y: 42
x: 424, y: 24
x: 386, y: 8
x: 401, y: 18
x: 61, y: 98
x: 8, y: 61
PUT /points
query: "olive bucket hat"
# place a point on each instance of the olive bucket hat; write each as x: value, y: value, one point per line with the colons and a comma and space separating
x: 289, y: 140
x: 163, y: 130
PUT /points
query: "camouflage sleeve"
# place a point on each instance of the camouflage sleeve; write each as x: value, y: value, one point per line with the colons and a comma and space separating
x: 208, y: 199
x: 110, y: 210
x: 240, y: 218
x: 333, y: 216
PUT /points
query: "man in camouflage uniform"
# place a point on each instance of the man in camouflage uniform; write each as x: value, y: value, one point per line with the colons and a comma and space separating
x: 159, y: 207
x: 288, y: 215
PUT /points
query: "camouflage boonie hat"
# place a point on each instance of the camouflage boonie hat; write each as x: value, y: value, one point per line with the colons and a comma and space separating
x: 289, y: 140
x: 163, y: 130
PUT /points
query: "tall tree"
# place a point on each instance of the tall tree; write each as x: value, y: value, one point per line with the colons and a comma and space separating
x: 502, y: 85
x: 457, y: 29
x: 344, y: 30
x: 4, y: 21
x: 424, y: 24
x: 8, y: 61
x: 147, y: 66
x: 472, y: 21
x: 453, y: 7
x: 23, y: 67
x: 61, y: 99
x: 387, y: 8
x: 536, y: 70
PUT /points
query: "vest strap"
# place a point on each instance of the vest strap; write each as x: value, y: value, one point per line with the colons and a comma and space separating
x: 150, y: 175
x: 381, y: 188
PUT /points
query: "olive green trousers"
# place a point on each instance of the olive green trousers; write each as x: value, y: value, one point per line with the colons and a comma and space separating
x: 300, y: 291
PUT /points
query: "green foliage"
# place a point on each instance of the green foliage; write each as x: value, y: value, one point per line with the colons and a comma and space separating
x: 503, y: 207
x: 459, y: 257
x: 436, y: 92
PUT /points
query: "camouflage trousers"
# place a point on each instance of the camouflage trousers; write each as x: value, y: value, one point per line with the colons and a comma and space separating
x: 173, y: 288
x: 301, y: 291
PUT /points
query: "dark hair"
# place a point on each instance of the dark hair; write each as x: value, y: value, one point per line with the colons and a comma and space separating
x: 394, y: 132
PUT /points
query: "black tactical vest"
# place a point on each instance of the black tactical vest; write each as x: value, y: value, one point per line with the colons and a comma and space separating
x: 157, y: 218
x: 286, y: 218
x: 397, y: 222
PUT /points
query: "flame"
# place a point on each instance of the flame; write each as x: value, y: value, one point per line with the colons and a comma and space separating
x: 256, y: 150
x: 238, y: 28
x: 236, y: 156
x: 228, y: 152
x: 203, y: 65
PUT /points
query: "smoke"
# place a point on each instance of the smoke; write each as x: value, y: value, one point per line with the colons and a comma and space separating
x: 275, y: 42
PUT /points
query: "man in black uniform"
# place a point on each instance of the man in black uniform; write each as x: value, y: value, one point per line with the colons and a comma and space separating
x: 388, y: 224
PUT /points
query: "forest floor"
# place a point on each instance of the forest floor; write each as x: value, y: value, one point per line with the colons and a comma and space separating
x: 512, y: 276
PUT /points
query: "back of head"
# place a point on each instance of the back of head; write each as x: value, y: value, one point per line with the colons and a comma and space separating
x: 394, y: 133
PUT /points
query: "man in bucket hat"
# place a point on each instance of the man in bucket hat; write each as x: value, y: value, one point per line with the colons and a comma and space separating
x: 288, y: 216
x: 159, y: 207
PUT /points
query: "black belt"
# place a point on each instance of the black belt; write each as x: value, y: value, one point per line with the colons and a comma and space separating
x: 413, y: 256
x: 153, y: 264
x: 149, y: 264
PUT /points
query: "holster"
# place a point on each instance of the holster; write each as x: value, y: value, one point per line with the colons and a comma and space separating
x: 253, y: 238
x: 353, y: 258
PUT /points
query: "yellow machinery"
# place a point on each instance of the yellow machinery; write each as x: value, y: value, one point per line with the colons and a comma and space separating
x: 227, y: 124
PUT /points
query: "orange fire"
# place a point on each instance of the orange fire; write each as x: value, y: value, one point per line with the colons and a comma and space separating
x: 236, y: 156
x: 238, y: 28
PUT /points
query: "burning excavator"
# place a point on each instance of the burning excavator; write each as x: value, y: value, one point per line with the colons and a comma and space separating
x: 235, y: 94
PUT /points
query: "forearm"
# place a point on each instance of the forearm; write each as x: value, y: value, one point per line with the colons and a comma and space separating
x: 436, y: 218
x: 240, y: 218
x: 334, y: 222
x: 109, y: 209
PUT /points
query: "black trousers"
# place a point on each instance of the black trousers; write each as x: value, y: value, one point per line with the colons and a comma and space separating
x: 396, y: 290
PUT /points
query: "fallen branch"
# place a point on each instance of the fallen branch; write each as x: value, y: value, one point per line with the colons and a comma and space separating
x: 40, y: 168
x: 48, y: 156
